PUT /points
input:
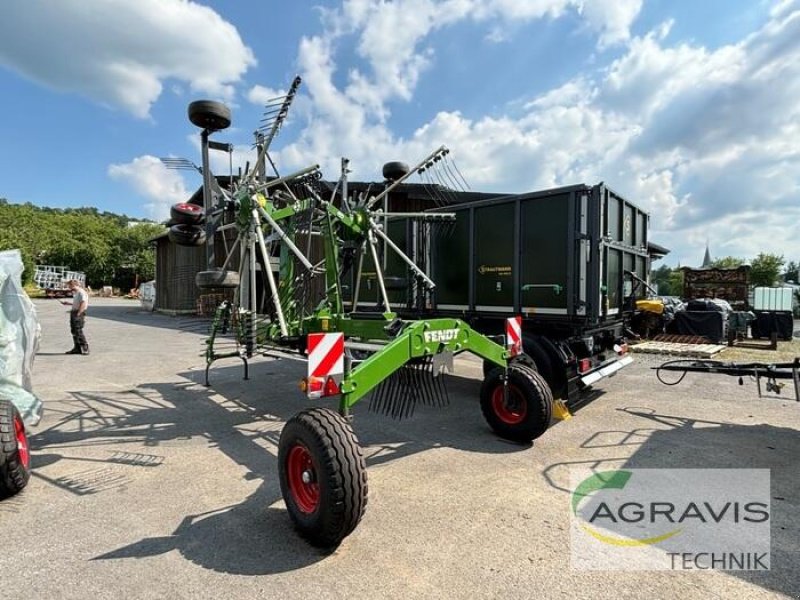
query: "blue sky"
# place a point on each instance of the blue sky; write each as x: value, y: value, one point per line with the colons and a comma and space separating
x: 688, y: 108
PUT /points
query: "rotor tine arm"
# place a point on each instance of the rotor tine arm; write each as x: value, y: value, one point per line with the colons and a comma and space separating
x: 427, y: 159
x: 402, y: 255
x: 378, y: 271
x: 270, y: 277
x: 286, y: 239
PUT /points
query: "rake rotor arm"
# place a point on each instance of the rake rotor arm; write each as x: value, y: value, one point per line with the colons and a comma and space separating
x: 433, y: 156
x: 428, y: 281
x: 286, y: 178
x: 285, y: 238
x: 419, y: 339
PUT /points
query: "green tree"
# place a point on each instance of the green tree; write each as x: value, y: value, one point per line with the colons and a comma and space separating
x: 765, y: 269
x: 669, y: 281
x: 102, y: 245
x: 727, y: 262
x: 136, y: 259
x: 791, y: 272
x: 675, y: 283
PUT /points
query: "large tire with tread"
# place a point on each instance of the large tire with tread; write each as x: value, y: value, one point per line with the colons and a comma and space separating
x: 525, y: 414
x: 15, y: 457
x: 211, y: 115
x: 187, y: 235
x: 186, y: 213
x: 323, y: 476
x: 217, y: 279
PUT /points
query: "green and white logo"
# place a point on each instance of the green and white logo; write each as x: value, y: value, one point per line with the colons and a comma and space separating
x: 670, y: 519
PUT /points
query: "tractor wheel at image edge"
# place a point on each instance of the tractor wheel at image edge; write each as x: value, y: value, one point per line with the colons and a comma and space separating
x: 185, y: 213
x: 525, y: 413
x: 323, y: 476
x: 217, y: 279
x: 15, y: 458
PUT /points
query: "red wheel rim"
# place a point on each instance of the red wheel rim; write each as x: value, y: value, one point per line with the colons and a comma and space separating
x: 22, y: 443
x: 512, y: 410
x: 185, y: 206
x: 302, y: 479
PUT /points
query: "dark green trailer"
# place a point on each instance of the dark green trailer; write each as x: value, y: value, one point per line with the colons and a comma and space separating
x: 557, y: 257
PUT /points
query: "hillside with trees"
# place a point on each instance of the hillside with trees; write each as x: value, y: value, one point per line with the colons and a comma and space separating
x: 111, y: 249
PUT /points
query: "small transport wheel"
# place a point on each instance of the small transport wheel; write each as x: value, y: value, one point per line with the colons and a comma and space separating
x: 524, y: 413
x: 323, y: 476
x: 395, y: 170
x: 15, y: 456
x: 187, y: 235
x: 186, y: 213
x: 217, y: 279
x: 211, y: 115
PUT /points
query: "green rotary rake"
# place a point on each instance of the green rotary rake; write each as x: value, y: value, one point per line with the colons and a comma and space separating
x: 286, y: 250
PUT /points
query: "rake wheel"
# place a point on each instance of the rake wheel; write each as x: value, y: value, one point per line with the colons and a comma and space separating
x: 524, y: 413
x: 323, y: 476
x: 186, y: 213
x: 186, y: 235
x: 210, y: 115
x: 217, y: 279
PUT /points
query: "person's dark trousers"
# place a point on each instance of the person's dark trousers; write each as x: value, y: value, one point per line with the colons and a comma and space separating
x: 76, y: 323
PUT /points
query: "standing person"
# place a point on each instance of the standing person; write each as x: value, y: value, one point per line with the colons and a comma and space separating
x: 77, y: 317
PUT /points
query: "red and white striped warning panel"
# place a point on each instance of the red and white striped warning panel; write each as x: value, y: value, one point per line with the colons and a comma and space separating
x: 514, y: 335
x: 325, y: 364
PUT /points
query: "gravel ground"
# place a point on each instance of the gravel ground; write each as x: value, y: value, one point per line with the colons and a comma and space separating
x: 148, y: 485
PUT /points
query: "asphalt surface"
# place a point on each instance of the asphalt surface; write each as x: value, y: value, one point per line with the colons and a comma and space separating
x: 147, y: 484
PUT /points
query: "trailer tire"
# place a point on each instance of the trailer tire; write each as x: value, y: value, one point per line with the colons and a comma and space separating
x: 187, y: 235
x: 323, y: 476
x: 210, y: 115
x: 527, y: 413
x: 186, y: 213
x: 519, y: 359
x: 537, y: 350
x: 15, y: 458
x: 217, y: 279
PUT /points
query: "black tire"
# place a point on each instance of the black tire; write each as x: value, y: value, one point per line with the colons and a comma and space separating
x: 519, y: 359
x: 211, y: 115
x: 538, y: 349
x: 186, y: 213
x: 15, y: 458
x: 527, y: 413
x: 187, y: 235
x: 395, y: 170
x: 319, y: 442
x: 394, y: 284
x: 217, y: 279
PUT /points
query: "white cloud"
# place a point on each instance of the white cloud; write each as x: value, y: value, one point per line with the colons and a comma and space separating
x: 703, y: 139
x: 391, y: 36
x: 261, y: 95
x: 120, y: 53
x: 612, y: 20
x: 150, y: 178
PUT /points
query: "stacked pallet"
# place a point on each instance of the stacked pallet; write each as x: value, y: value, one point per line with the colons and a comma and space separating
x: 678, y: 349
